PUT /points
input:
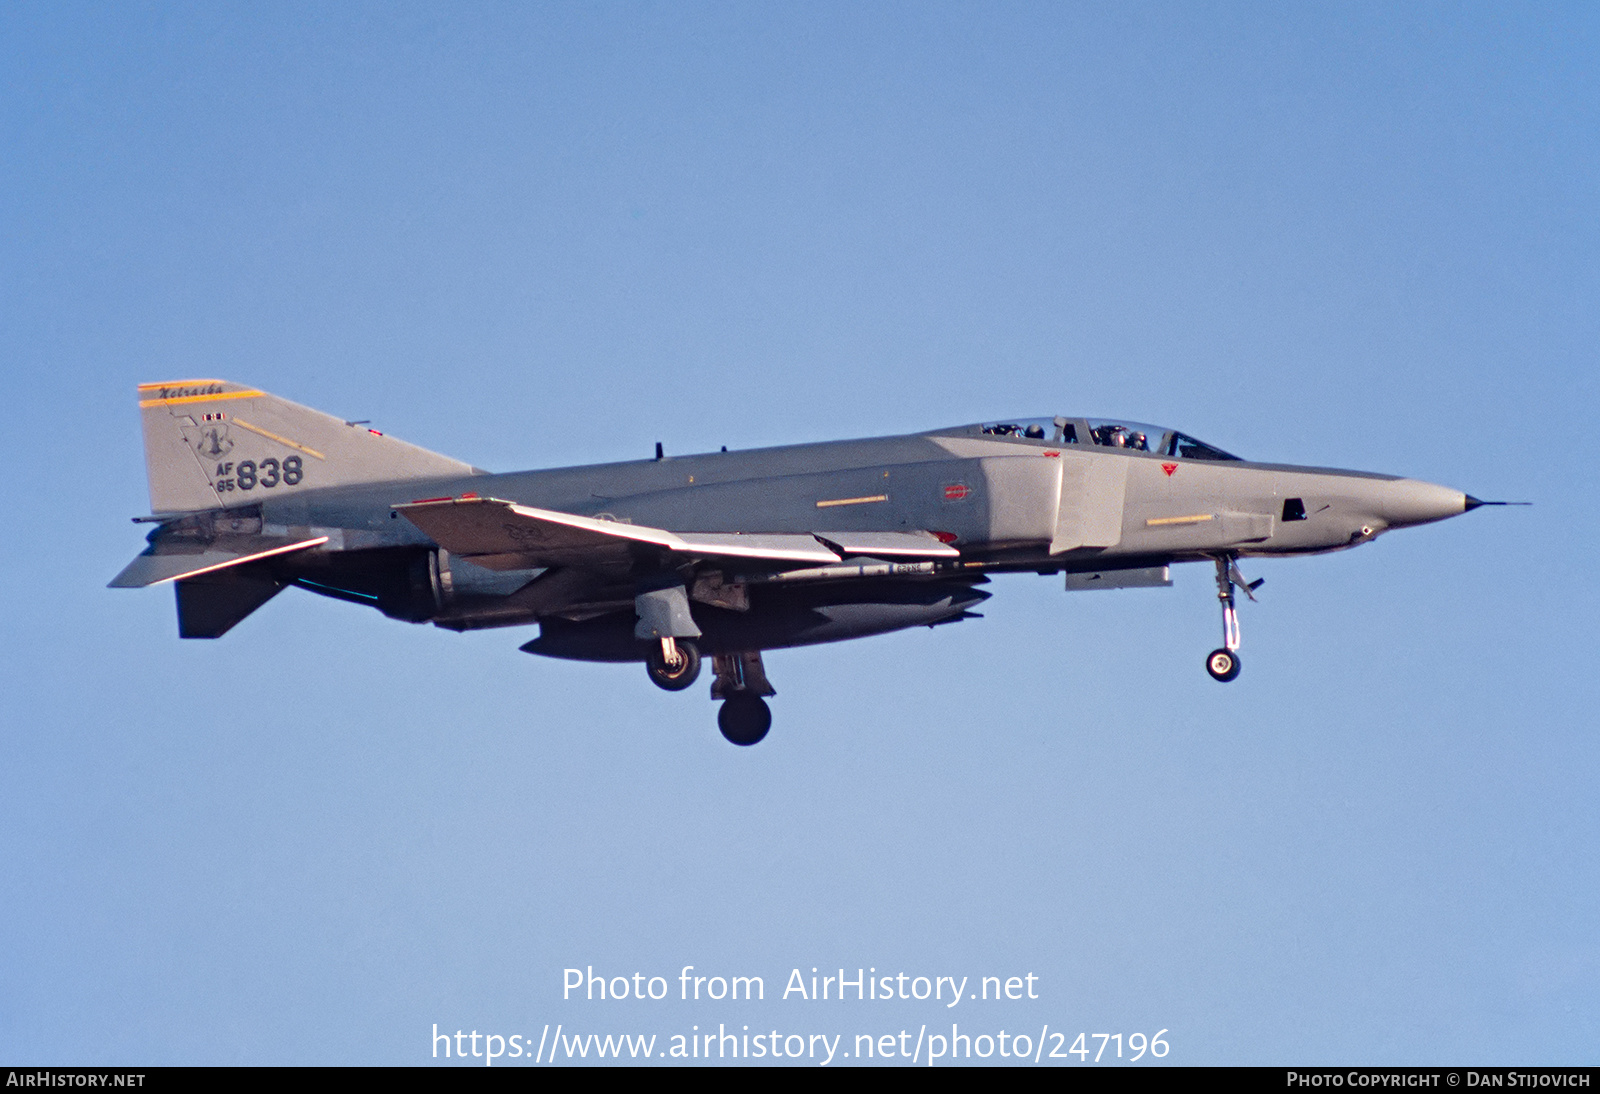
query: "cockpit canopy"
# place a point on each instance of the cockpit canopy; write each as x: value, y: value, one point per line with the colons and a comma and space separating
x: 1107, y: 433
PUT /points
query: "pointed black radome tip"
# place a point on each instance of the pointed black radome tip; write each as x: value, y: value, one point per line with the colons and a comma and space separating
x: 1473, y: 503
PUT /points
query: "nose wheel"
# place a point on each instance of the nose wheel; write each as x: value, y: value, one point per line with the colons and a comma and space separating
x: 1223, y: 664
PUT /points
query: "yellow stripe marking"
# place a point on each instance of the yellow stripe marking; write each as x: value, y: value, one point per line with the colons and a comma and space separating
x: 281, y: 440
x: 220, y: 397
x: 851, y: 501
x: 1198, y: 518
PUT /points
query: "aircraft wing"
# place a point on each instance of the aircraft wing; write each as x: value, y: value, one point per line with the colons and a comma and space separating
x: 507, y: 536
x: 504, y: 535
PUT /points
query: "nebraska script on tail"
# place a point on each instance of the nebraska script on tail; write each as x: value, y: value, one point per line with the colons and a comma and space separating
x: 722, y: 555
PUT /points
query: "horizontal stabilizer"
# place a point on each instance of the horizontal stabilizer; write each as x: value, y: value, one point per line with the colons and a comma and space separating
x: 209, y: 605
x: 152, y: 569
x: 503, y: 535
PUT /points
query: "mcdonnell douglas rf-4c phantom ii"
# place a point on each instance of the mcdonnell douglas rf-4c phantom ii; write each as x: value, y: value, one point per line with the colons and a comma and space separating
x: 721, y: 555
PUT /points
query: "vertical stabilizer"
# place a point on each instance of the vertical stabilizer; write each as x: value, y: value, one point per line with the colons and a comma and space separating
x: 211, y: 444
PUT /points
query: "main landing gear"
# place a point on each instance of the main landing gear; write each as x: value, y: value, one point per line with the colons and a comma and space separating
x: 1223, y: 664
x: 742, y: 686
x: 673, y: 664
x: 744, y: 718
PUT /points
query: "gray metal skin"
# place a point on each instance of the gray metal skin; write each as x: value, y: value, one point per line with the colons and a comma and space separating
x: 1005, y: 502
x: 1011, y: 516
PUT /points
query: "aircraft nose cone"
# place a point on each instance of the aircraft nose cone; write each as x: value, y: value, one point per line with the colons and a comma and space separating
x: 1410, y: 501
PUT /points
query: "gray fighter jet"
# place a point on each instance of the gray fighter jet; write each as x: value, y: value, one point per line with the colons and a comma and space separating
x: 722, y: 555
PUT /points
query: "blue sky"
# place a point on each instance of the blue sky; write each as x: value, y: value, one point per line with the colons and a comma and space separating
x: 1349, y: 235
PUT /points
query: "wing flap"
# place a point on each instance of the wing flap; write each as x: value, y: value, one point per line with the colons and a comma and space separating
x: 889, y: 544
x: 780, y: 547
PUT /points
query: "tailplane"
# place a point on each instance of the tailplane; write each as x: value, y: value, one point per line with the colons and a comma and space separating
x: 212, y: 444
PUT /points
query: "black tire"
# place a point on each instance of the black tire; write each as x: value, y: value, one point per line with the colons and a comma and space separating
x: 1223, y: 665
x: 674, y: 677
x: 744, y: 719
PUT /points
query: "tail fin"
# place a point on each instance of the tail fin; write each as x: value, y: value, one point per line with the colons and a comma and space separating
x: 209, y: 444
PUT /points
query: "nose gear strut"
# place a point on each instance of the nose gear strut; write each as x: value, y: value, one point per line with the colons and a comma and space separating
x: 1223, y: 664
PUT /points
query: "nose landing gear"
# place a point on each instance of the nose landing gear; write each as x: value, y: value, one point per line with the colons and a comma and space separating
x: 1223, y: 664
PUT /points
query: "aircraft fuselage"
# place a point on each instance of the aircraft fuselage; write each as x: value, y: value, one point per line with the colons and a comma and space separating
x: 729, y: 553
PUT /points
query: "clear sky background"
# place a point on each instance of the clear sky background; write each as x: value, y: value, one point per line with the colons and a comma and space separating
x: 1352, y: 235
